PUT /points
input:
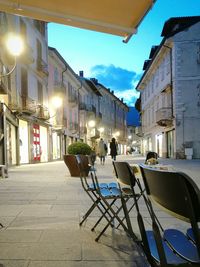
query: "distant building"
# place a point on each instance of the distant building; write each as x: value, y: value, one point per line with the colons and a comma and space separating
x: 170, y: 92
x: 133, y: 122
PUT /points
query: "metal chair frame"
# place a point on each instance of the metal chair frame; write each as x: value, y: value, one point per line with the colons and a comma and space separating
x: 90, y: 189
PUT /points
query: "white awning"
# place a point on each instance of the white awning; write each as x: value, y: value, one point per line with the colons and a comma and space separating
x: 118, y: 17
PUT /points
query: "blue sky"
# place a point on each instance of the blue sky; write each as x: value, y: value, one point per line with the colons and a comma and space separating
x: 115, y: 64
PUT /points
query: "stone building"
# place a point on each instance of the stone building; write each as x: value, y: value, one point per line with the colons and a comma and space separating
x: 170, y: 92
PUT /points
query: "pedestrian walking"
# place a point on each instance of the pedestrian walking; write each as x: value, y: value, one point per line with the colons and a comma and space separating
x: 113, y: 148
x: 102, y: 151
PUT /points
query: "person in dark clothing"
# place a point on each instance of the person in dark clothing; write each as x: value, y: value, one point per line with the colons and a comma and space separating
x: 113, y: 148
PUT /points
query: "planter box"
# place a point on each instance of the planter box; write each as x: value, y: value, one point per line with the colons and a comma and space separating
x: 71, y: 163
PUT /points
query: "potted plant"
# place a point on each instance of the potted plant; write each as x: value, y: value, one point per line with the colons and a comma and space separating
x: 77, y: 148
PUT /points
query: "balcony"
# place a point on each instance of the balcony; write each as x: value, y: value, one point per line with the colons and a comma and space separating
x: 99, y: 117
x: 73, y: 127
x: 28, y: 105
x: 82, y: 106
x: 164, y: 117
x: 42, y: 113
x: 138, y: 131
x: 73, y: 100
x: 91, y: 111
x: 59, y: 87
x: 42, y: 67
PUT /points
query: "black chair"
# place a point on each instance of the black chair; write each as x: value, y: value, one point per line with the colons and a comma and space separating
x: 114, y: 200
x: 178, y: 195
x: 127, y: 181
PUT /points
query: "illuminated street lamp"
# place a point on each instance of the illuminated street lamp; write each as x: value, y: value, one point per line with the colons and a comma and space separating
x: 57, y: 102
x: 101, y: 129
x: 117, y: 134
x: 91, y: 123
x: 14, y: 45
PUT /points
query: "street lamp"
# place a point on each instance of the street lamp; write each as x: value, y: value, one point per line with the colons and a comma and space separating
x: 91, y: 123
x: 14, y: 45
x: 56, y: 102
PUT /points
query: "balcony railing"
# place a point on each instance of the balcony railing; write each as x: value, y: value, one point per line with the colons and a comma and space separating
x: 139, y: 131
x: 42, y: 113
x: 91, y: 110
x: 59, y: 86
x: 73, y: 99
x: 73, y: 126
x: 164, y: 117
x: 28, y: 105
x: 42, y: 67
x: 82, y: 106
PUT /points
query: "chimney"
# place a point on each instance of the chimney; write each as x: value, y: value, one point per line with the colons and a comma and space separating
x: 81, y: 73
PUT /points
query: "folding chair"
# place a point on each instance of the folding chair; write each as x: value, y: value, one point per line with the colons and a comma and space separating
x: 127, y: 181
x: 178, y: 195
x: 90, y: 188
x: 114, y: 200
x: 125, y: 175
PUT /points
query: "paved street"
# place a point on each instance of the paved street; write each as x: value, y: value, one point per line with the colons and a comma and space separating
x: 41, y: 206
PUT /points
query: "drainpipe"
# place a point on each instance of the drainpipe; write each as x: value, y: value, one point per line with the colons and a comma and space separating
x: 171, y: 79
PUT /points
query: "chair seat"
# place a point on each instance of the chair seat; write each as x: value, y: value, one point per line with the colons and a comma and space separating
x: 182, y: 245
x: 104, y: 185
x: 112, y: 192
x: 172, y: 258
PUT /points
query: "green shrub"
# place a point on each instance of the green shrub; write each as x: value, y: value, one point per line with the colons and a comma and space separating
x: 79, y: 148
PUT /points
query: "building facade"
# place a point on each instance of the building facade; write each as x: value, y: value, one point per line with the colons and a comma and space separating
x: 169, y: 87
x: 24, y: 97
x: 33, y: 128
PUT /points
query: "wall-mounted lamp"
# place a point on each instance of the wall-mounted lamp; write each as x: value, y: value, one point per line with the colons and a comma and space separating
x: 91, y: 123
x: 56, y: 102
x: 101, y: 129
x: 117, y: 134
x: 14, y: 45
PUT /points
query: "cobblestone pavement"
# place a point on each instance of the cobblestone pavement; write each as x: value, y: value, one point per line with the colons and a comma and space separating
x: 41, y: 206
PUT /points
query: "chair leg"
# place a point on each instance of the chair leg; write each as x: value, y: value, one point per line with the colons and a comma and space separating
x: 103, y: 215
x: 114, y: 215
x: 127, y: 218
x: 89, y: 211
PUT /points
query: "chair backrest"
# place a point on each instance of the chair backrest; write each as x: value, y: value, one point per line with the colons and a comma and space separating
x: 124, y: 173
x: 174, y: 191
x: 83, y: 164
